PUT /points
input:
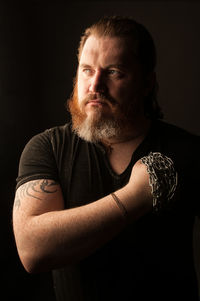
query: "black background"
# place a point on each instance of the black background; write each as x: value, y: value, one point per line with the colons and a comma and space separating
x: 38, y: 46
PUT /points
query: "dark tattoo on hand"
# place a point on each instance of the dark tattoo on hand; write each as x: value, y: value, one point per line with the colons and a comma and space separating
x: 33, y: 188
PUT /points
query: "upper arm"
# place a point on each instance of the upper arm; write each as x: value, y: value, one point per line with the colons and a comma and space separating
x: 38, y: 190
x: 35, y: 198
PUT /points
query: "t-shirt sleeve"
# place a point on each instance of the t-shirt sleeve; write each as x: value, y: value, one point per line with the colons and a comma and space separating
x: 37, y: 160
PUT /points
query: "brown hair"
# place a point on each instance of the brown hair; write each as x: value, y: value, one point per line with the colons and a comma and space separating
x: 143, y: 49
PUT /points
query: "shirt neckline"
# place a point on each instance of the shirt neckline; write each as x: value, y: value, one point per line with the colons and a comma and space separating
x: 142, y: 149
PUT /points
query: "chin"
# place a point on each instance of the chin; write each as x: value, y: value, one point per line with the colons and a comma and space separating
x: 94, y: 123
x: 96, y: 128
x: 96, y: 115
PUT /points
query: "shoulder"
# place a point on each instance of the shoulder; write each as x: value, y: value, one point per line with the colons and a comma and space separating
x: 40, y: 155
x: 51, y: 137
x: 174, y: 129
x: 49, y: 144
x: 56, y: 133
x: 182, y: 146
x: 177, y: 136
x: 60, y: 131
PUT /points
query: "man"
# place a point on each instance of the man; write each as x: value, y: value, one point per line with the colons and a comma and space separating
x: 83, y: 205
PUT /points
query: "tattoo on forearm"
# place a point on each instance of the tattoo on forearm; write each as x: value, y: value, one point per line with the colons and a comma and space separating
x: 34, y: 187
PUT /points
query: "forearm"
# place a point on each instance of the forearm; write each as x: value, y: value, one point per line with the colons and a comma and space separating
x: 57, y: 238
x: 49, y: 236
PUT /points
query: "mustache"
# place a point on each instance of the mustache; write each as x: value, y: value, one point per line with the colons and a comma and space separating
x: 105, y: 98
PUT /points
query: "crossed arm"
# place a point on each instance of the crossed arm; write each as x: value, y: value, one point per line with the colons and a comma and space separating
x: 49, y: 236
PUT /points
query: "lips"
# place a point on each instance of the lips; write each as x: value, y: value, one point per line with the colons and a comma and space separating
x: 99, y: 99
x: 96, y: 102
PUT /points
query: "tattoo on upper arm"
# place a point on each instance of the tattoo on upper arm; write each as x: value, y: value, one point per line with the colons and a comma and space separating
x: 17, y: 201
x: 32, y: 188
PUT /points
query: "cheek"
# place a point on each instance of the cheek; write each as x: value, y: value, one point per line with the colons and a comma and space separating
x: 120, y: 92
x: 116, y: 90
x: 131, y: 90
x: 129, y: 96
x: 82, y: 88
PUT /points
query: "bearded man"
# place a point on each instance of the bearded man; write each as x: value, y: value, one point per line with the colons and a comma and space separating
x: 108, y: 201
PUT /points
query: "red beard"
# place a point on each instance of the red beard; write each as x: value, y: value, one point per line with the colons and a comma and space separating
x: 120, y: 114
x: 116, y: 120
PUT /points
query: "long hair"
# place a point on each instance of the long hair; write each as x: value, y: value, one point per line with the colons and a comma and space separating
x: 143, y: 50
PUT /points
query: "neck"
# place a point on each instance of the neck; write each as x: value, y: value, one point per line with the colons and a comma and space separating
x: 121, y: 149
x: 129, y: 135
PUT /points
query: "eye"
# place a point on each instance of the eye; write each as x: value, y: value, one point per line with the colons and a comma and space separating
x: 112, y: 71
x: 87, y: 71
x: 115, y: 73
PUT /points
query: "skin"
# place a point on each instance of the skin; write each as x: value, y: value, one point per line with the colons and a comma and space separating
x: 107, y: 66
x: 49, y: 236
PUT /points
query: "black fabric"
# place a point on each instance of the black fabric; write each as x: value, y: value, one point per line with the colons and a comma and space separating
x: 150, y: 259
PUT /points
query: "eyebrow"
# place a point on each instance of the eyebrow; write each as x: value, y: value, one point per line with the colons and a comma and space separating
x: 118, y: 66
x: 85, y: 66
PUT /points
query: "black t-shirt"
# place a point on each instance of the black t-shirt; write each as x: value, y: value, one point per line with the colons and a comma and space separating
x: 150, y: 259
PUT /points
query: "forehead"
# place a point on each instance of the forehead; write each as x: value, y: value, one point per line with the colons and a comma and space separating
x: 108, y: 49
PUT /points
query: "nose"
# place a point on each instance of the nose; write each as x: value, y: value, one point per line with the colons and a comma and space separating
x: 97, y: 83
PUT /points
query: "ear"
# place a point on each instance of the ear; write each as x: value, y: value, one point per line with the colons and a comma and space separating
x: 149, y: 83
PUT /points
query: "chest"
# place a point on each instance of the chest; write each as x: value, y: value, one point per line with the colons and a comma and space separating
x: 88, y: 175
x: 119, y: 160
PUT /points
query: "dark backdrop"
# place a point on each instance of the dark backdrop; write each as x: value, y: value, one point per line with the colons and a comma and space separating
x: 38, y: 42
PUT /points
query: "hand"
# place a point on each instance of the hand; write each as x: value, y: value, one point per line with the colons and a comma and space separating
x: 139, y: 181
x: 137, y: 194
